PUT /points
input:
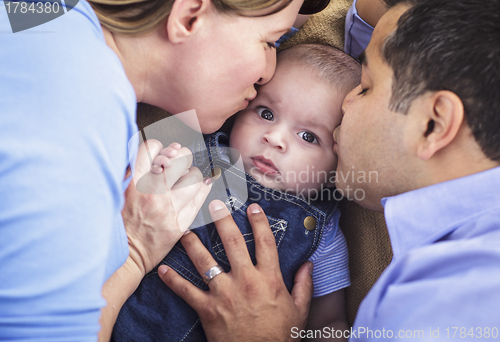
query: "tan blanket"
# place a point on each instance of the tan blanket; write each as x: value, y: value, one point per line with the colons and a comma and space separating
x: 326, y: 27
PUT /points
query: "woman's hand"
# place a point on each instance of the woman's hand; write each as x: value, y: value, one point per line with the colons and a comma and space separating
x: 164, y: 159
x: 158, y: 209
x: 160, y: 206
x: 250, y: 303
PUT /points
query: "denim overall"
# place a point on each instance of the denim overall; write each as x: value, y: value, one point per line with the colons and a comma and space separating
x: 155, y: 313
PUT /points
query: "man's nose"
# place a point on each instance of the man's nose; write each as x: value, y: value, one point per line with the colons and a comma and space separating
x: 349, y: 99
x: 269, y: 69
x: 276, y: 139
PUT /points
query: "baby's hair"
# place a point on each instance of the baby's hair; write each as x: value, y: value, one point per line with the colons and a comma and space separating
x: 331, y: 64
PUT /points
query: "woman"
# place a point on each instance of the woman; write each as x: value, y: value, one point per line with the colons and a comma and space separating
x: 69, y: 91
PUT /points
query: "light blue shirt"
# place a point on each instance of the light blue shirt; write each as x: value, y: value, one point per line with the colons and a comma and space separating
x: 357, y: 33
x: 446, y: 267
x: 67, y: 111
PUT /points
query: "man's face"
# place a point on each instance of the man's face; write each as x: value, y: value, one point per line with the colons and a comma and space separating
x: 285, y: 135
x: 372, y: 151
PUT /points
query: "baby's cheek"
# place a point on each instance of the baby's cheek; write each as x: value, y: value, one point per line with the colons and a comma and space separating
x: 322, y: 171
x: 334, y: 163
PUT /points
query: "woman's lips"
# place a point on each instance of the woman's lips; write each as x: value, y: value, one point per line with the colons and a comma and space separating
x: 247, y: 100
x: 244, y: 105
x: 264, y: 165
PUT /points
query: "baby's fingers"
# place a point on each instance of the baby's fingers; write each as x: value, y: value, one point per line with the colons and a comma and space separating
x: 160, y: 163
x: 146, y: 152
x: 171, y: 150
x: 163, y: 159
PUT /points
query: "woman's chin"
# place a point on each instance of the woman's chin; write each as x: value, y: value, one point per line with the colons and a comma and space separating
x: 210, y: 127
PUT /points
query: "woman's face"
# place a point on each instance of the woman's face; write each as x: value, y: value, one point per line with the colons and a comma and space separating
x: 223, y: 61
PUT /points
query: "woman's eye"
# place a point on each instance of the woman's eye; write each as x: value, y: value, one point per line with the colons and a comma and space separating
x: 309, y: 137
x: 266, y: 114
x: 363, y: 91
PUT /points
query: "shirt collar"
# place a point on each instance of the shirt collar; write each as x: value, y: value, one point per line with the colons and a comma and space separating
x: 425, y: 215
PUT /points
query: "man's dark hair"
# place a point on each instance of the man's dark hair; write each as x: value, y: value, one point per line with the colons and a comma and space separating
x: 450, y: 45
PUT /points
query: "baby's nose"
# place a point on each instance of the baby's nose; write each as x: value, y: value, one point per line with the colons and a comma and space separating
x: 275, y: 139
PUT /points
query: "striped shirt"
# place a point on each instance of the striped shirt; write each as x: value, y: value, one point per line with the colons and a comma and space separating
x: 331, y: 261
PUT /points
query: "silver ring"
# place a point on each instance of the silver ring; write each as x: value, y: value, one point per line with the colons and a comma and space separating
x: 212, y: 273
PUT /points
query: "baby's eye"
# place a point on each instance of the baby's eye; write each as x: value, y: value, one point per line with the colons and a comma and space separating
x: 266, y: 114
x: 309, y: 137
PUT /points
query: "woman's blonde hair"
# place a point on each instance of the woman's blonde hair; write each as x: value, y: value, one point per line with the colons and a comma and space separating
x: 139, y: 16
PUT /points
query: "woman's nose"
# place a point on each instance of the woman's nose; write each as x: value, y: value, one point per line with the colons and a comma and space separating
x: 269, y: 69
x: 349, y: 99
x: 275, y: 139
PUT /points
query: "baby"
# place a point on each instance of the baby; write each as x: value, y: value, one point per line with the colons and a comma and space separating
x: 285, y: 141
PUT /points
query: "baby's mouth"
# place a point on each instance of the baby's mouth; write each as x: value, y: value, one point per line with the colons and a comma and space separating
x: 264, y: 165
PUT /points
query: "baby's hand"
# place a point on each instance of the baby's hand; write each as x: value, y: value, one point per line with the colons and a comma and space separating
x: 162, y: 160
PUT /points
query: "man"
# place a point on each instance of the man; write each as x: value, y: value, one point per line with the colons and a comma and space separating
x: 425, y: 117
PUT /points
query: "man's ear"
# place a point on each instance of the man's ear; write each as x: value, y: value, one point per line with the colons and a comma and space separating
x: 444, y: 115
x: 185, y: 18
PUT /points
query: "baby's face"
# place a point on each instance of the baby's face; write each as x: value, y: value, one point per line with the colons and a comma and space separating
x: 285, y: 136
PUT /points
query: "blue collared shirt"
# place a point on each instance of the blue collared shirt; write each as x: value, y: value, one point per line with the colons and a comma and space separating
x: 357, y: 32
x: 67, y: 112
x: 444, y: 279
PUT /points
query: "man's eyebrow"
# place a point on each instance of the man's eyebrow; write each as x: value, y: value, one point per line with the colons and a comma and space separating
x: 362, y: 58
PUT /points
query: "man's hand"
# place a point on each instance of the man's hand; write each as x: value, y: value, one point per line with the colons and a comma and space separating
x: 250, y: 303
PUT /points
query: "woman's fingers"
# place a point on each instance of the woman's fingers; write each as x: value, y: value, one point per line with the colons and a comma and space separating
x: 163, y: 160
x: 156, y: 169
x: 146, y: 153
x: 147, y: 182
x: 157, y: 172
x: 233, y: 241
x: 190, y: 209
x: 186, y: 188
x: 179, y: 165
x: 195, y: 297
x: 266, y: 252
x: 159, y: 164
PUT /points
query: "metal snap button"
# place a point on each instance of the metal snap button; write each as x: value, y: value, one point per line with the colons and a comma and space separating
x: 310, y: 223
x: 216, y: 172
